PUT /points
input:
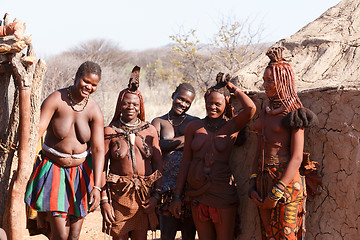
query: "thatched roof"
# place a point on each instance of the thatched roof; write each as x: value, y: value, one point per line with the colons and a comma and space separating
x: 324, y: 53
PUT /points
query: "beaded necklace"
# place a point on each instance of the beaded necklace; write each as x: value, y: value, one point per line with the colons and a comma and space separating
x: 82, y: 103
x: 171, y: 120
x: 275, y: 103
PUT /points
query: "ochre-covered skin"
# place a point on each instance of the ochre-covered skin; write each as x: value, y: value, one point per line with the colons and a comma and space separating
x: 134, y: 156
x: 279, y: 155
x: 205, y: 165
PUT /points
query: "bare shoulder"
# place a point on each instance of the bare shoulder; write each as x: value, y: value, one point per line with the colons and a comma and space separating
x: 109, y: 130
x: 159, y: 120
x: 54, y: 100
x: 195, y: 124
x: 109, y: 133
x: 55, y: 96
x: 94, y: 109
x: 190, y: 117
x: 156, y: 121
x: 151, y: 129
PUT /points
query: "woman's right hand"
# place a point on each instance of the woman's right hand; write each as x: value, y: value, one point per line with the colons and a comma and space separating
x: 180, y: 140
x: 256, y: 198
x: 108, y: 214
x: 175, y: 207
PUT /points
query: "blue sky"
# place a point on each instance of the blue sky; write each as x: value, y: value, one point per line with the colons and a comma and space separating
x: 56, y: 26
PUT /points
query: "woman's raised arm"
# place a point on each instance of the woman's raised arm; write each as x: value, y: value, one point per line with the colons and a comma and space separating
x: 248, y: 107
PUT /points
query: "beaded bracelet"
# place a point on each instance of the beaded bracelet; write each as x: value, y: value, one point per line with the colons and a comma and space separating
x: 96, y: 187
x: 276, y: 193
x: 282, y: 184
x: 254, y: 175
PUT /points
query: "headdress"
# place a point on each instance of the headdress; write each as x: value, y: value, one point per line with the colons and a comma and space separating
x: 284, y: 78
x: 133, y: 89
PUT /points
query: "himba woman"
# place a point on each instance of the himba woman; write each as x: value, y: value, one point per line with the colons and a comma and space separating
x: 276, y: 186
x: 62, y: 183
x: 133, y: 152
x: 171, y: 130
x: 205, y: 164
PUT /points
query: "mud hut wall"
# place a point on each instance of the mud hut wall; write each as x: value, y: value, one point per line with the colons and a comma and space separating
x: 334, y: 143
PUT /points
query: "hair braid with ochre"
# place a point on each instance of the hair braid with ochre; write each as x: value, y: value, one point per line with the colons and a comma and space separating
x: 141, y: 115
x: 284, y: 79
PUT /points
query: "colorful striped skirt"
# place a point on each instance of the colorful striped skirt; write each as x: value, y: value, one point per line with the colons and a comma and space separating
x: 61, y: 190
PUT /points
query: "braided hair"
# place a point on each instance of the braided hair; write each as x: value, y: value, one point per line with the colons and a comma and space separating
x: 284, y: 79
x: 122, y: 94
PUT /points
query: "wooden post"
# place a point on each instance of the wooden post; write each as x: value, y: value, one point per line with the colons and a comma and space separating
x: 26, y: 75
x: 17, y: 213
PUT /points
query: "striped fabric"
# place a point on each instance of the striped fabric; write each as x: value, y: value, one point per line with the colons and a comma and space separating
x: 61, y: 189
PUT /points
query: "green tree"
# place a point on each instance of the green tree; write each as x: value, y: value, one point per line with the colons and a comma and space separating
x: 194, y: 66
x: 233, y: 45
x: 236, y: 43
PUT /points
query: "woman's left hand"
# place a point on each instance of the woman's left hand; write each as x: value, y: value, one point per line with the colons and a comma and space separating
x: 269, y: 204
x: 94, y: 199
x: 231, y: 87
x: 149, y: 204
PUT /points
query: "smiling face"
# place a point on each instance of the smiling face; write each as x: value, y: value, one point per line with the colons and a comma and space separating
x: 182, y: 100
x: 130, y: 107
x: 87, y: 84
x: 215, y: 105
x: 269, y: 83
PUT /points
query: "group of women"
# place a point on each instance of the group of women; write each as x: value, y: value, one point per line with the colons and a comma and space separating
x: 179, y: 163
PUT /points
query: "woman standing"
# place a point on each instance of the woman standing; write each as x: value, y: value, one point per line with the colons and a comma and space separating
x: 205, y: 165
x: 276, y: 186
x: 171, y: 129
x: 62, y: 183
x: 132, y: 149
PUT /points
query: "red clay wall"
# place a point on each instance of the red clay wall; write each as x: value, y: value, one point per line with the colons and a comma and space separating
x: 334, y: 143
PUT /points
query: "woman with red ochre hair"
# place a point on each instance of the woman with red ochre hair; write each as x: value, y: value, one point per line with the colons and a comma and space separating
x: 276, y: 186
x: 205, y: 164
x: 133, y: 152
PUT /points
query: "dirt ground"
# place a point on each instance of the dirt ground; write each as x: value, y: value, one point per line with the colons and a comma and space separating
x: 91, y: 230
